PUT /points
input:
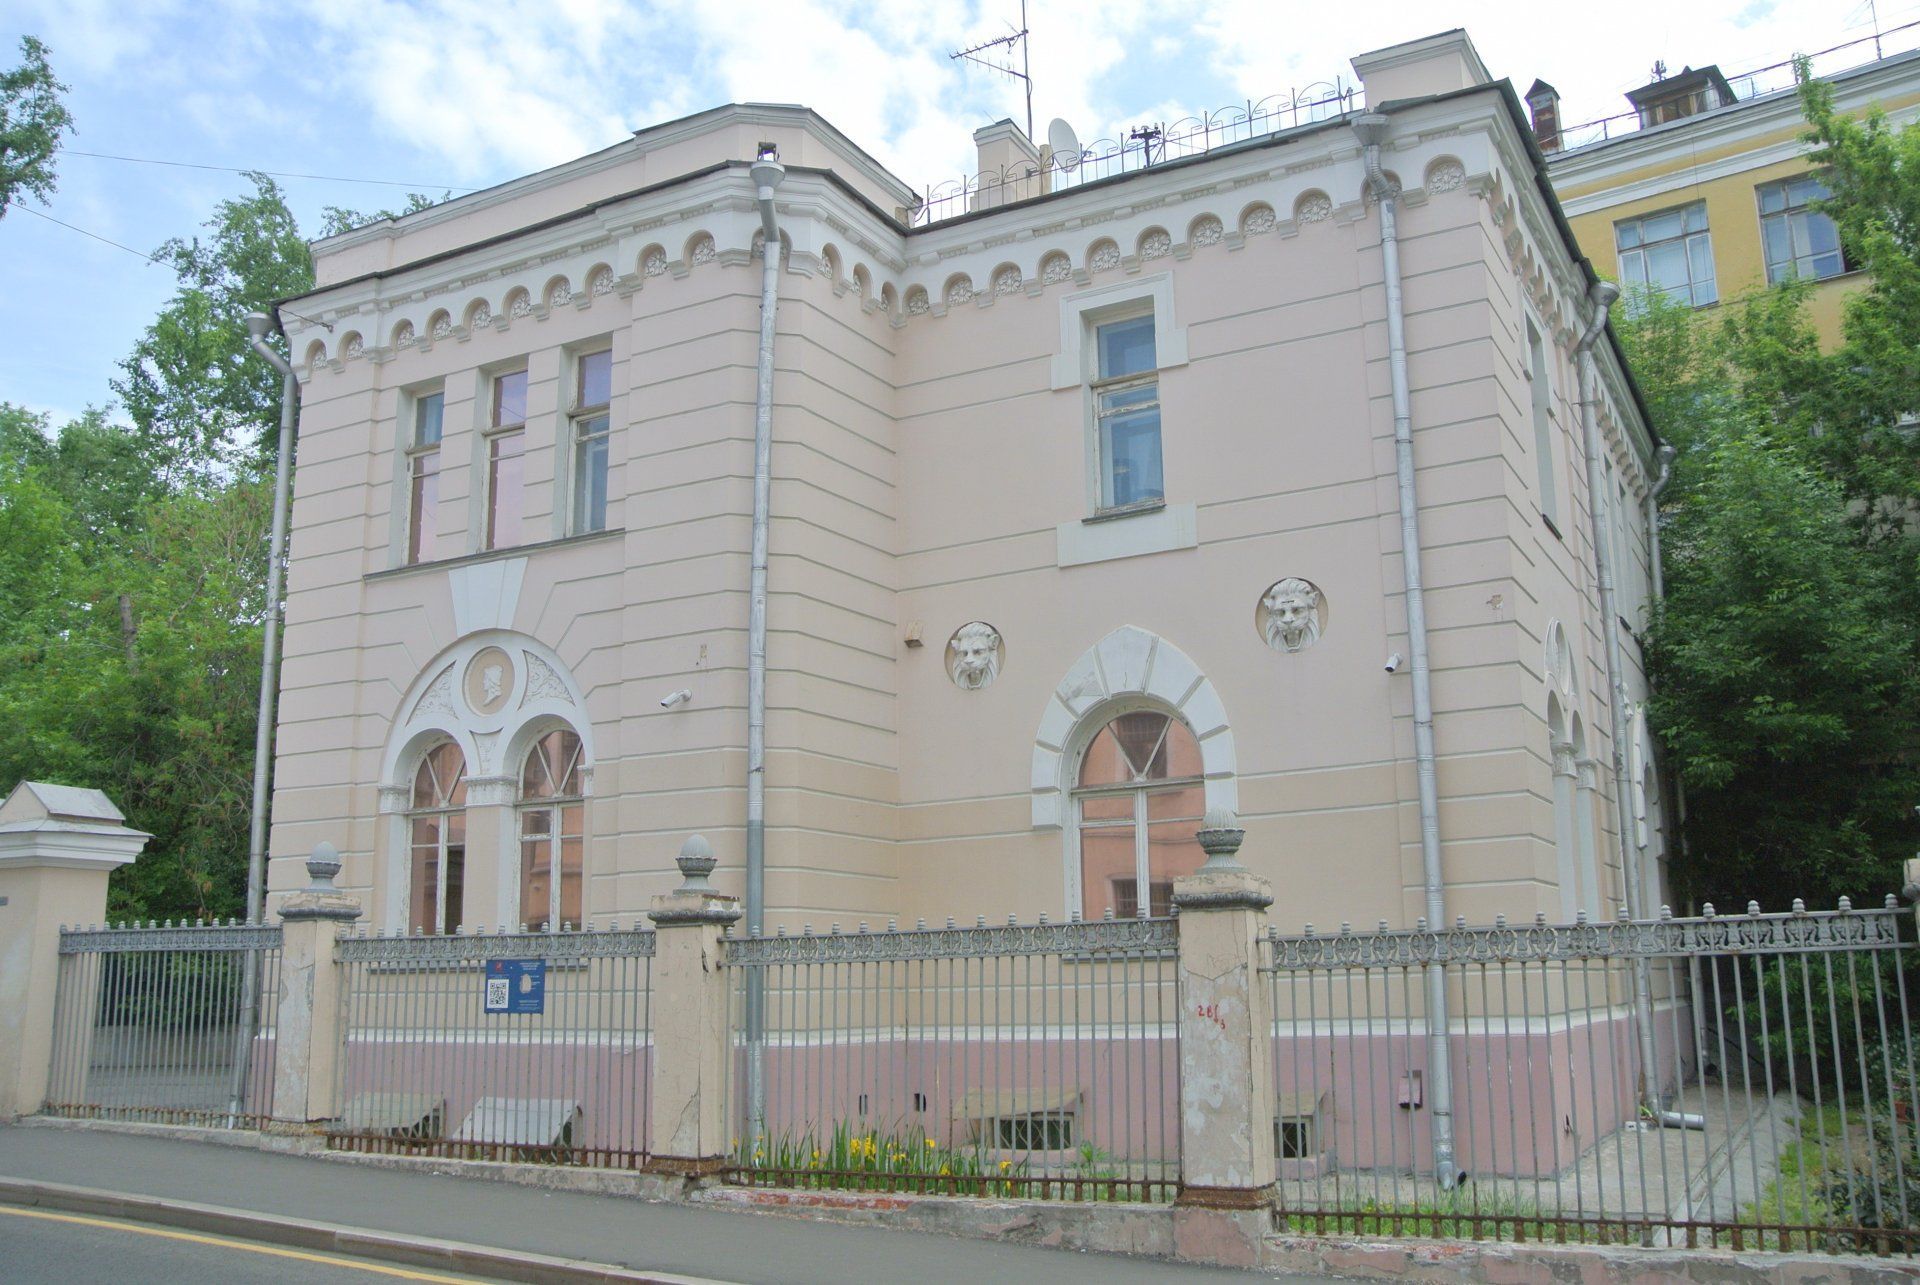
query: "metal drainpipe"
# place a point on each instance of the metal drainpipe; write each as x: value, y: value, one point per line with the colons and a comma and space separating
x: 767, y: 173
x: 1632, y: 871
x: 259, y: 326
x: 1372, y: 131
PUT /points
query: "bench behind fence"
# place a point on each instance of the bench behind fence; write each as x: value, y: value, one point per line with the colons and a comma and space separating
x: 1036, y: 1061
x: 1778, y: 1111
x: 151, y: 1024
x: 528, y: 1046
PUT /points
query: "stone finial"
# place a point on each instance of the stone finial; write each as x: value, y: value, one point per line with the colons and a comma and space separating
x: 322, y: 866
x: 695, y: 901
x: 1220, y: 839
x: 320, y: 899
x: 696, y: 862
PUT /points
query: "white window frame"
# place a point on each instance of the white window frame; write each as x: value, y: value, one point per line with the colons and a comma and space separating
x: 1686, y: 239
x: 491, y: 433
x: 554, y: 806
x: 576, y: 419
x: 1776, y: 273
x: 1085, y: 733
x: 1099, y: 386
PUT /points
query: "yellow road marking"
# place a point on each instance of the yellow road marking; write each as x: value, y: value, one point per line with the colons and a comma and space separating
x: 326, y: 1259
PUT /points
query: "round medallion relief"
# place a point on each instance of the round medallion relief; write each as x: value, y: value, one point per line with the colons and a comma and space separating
x: 974, y: 654
x: 489, y: 680
x: 1291, y: 614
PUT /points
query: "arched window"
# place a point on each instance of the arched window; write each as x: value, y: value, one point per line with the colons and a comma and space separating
x: 1137, y: 804
x: 437, y: 825
x: 552, y: 832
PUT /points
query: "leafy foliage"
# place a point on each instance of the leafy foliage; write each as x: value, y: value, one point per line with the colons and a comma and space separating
x: 33, y: 120
x: 201, y: 401
x: 133, y: 561
x: 1785, y: 657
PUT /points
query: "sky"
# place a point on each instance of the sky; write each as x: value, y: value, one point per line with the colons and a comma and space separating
x: 433, y: 95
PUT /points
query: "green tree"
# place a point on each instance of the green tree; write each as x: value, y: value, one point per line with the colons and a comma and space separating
x: 1786, y: 656
x: 200, y: 399
x: 33, y: 120
x: 335, y: 219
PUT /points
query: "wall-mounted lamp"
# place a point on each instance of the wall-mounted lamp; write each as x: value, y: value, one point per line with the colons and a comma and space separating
x: 913, y: 635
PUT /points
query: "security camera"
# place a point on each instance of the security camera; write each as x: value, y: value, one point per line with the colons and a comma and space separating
x: 1393, y: 663
x: 680, y: 697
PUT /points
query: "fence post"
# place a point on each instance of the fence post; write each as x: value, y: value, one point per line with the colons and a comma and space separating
x: 691, y: 1033
x: 58, y: 844
x: 306, y: 1039
x: 1226, y: 1030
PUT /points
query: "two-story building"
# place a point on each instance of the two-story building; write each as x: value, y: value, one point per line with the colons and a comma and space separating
x: 1084, y: 517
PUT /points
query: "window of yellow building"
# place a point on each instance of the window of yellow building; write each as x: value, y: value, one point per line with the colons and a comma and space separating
x: 1800, y: 241
x: 1671, y: 252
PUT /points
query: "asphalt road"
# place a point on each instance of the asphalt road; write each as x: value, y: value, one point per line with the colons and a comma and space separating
x: 750, y: 1248
x: 76, y: 1249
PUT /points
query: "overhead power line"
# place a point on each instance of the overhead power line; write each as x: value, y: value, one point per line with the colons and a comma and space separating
x: 150, y: 258
x: 248, y: 169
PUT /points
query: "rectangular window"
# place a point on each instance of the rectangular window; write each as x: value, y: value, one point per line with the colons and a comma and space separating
x: 423, y: 471
x: 1671, y: 252
x: 1052, y: 1131
x: 547, y: 902
x: 593, y: 389
x: 1542, y: 399
x: 438, y: 872
x: 1293, y: 1137
x: 1126, y: 408
x: 506, y: 453
x: 1800, y: 241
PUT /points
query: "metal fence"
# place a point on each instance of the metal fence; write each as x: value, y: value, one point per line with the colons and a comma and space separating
x: 1777, y: 1112
x: 1142, y: 147
x: 1038, y: 1061
x: 528, y: 1046
x: 150, y: 1024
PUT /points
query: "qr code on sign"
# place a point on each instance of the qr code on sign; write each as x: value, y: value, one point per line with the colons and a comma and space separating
x: 496, y: 993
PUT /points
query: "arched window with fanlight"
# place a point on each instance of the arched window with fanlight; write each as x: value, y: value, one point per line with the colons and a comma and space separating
x: 552, y: 832
x: 437, y: 838
x: 1138, y: 802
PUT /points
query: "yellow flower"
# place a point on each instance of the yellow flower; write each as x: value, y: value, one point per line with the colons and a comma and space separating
x: 1005, y: 1165
x: 931, y: 1144
x: 944, y: 1171
x: 816, y: 1155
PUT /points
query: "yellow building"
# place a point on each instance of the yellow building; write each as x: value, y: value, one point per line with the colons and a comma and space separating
x: 1702, y: 188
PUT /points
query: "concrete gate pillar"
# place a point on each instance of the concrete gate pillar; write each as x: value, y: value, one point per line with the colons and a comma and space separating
x: 307, y: 1044
x: 691, y: 1040
x: 58, y: 844
x: 1227, y: 1166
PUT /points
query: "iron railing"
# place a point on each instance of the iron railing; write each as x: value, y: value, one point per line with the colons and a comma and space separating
x: 527, y: 1046
x: 148, y: 1024
x: 1759, y: 82
x: 1037, y: 1061
x: 1780, y: 1113
x: 1145, y: 146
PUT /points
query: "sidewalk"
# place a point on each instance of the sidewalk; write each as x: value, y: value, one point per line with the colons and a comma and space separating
x: 677, y: 1239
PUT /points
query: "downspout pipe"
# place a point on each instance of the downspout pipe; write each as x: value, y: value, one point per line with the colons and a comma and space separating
x: 1371, y: 130
x: 259, y: 326
x: 1599, y: 506
x: 767, y: 174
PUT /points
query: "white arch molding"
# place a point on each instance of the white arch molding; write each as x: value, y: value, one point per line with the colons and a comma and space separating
x: 539, y: 694
x: 1128, y: 669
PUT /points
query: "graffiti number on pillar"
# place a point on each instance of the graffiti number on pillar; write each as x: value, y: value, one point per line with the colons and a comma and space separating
x: 1210, y: 1013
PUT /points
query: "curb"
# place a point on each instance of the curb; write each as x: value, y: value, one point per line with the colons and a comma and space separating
x: 360, y: 1242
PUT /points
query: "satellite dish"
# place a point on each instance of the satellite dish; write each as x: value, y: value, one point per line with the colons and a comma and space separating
x: 1065, y: 144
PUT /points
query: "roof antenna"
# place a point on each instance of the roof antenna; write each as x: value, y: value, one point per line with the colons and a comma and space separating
x: 1007, y: 42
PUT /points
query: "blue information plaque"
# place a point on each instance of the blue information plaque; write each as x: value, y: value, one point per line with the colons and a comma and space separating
x: 516, y: 986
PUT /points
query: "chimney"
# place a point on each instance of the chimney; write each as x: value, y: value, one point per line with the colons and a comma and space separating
x: 1010, y: 168
x: 1543, y: 102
